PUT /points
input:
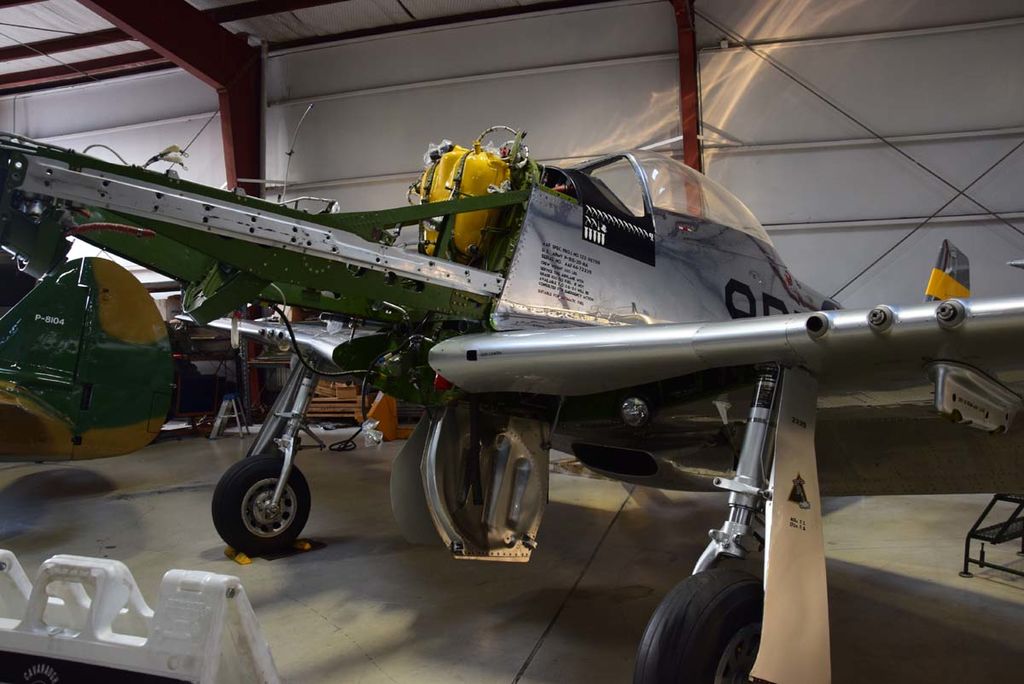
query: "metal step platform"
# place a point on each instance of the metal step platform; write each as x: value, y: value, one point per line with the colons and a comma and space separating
x: 1008, y: 530
x: 230, y: 409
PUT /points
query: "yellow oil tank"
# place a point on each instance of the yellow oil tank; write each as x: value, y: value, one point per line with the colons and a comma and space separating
x: 464, y: 173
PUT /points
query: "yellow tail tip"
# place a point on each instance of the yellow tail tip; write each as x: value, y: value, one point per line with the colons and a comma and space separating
x: 941, y: 285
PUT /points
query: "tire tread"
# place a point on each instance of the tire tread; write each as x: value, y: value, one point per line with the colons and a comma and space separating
x: 226, y: 504
x: 682, y: 625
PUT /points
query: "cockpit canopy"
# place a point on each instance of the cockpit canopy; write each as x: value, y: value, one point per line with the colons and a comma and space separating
x: 636, y: 183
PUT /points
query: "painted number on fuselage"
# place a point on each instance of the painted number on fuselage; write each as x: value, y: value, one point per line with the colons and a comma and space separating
x: 741, y: 302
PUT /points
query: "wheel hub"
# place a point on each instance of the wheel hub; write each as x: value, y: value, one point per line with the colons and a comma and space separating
x: 261, y: 516
x: 739, y: 655
x: 264, y: 510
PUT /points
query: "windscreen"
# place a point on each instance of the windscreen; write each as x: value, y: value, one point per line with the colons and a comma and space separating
x: 677, y: 188
x: 621, y: 186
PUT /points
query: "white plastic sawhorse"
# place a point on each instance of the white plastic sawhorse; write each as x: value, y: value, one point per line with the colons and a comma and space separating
x: 85, y: 620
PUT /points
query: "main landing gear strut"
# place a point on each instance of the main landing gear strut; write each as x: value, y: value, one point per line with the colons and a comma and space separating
x: 719, y: 625
x: 262, y: 502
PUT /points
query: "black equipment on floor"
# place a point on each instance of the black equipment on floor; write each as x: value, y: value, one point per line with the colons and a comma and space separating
x: 999, y: 533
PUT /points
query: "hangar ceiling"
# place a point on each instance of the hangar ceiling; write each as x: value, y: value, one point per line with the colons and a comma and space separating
x: 59, y: 42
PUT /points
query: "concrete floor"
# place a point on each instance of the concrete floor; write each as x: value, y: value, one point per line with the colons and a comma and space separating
x: 370, y: 608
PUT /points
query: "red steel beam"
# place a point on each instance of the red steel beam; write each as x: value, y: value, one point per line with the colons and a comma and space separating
x: 63, y: 44
x: 225, y: 61
x: 494, y: 13
x: 75, y: 41
x: 689, y: 95
x: 263, y: 8
x: 241, y: 124
x: 81, y: 70
x: 244, y: 10
x: 182, y: 34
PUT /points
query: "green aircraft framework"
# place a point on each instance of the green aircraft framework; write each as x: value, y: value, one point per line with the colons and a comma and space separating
x: 228, y: 249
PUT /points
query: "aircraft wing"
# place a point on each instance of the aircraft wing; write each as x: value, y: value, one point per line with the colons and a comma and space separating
x: 886, y: 347
x: 316, y: 340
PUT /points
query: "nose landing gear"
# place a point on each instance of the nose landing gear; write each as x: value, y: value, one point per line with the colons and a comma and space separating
x: 262, y: 502
x: 245, y: 514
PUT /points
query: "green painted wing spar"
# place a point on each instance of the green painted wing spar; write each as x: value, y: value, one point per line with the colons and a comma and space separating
x: 228, y: 249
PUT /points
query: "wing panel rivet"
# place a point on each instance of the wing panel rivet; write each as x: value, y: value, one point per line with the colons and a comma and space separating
x: 881, y: 318
x: 950, y: 313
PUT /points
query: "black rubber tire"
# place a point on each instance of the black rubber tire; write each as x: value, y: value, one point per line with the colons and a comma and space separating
x: 688, y: 633
x: 231, y: 490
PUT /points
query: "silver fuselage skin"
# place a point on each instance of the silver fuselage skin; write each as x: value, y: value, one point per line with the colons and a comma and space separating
x: 873, y: 437
x: 691, y: 271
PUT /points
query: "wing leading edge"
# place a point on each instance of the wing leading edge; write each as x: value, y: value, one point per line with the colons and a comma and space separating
x: 884, y: 347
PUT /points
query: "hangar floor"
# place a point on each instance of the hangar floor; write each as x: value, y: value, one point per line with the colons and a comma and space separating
x: 370, y: 608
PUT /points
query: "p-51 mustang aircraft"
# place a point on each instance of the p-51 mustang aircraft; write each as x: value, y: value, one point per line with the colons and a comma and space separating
x: 630, y: 311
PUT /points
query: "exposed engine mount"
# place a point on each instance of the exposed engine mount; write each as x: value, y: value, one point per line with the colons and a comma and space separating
x: 452, y: 172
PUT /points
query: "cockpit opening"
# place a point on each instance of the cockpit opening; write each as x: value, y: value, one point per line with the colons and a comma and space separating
x: 633, y: 183
x: 632, y: 186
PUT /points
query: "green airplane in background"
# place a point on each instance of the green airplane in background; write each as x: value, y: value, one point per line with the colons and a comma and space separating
x: 85, y: 366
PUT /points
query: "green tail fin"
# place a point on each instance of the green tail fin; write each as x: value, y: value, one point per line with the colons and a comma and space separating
x: 85, y: 366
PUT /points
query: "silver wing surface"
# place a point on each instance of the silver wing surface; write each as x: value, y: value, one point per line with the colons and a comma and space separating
x: 316, y: 340
x: 886, y: 348
x: 883, y: 373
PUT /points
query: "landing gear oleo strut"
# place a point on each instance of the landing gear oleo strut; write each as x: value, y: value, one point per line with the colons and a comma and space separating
x: 718, y: 625
x: 262, y: 502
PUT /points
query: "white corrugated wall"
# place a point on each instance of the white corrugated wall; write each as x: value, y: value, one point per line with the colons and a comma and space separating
x: 582, y: 82
x: 942, y: 81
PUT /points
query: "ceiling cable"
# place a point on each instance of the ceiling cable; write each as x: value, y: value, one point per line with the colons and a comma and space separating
x: 49, y: 56
x: 924, y: 222
x: 406, y: 10
x: 196, y: 136
x: 38, y: 28
x: 742, y: 42
x: 291, y: 151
